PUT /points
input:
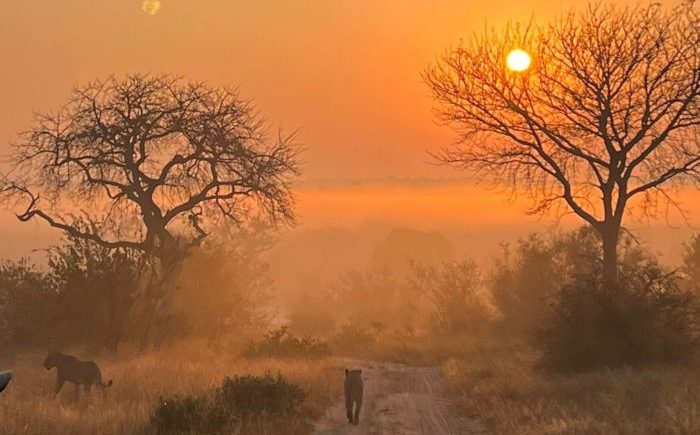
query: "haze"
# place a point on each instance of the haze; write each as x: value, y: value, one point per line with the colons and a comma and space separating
x: 346, y: 73
x: 308, y: 262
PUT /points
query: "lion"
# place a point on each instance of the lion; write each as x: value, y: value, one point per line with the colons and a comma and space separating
x: 353, y: 395
x: 70, y: 369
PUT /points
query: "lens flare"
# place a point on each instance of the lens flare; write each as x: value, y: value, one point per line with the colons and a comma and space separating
x: 151, y: 7
x: 518, y: 60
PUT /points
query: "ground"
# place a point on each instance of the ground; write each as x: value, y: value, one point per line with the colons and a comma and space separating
x: 400, y: 400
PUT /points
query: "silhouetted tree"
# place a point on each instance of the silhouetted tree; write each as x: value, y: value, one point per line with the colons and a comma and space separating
x: 94, y: 290
x: 522, y: 281
x: 376, y: 296
x: 225, y: 287
x: 150, y: 162
x: 454, y: 289
x: 528, y: 277
x: 691, y: 262
x: 608, y: 112
x: 650, y: 318
x: 26, y: 305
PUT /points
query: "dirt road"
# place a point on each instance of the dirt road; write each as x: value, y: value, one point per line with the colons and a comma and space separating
x: 400, y: 400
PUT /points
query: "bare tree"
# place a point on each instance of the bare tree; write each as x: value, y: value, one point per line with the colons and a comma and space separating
x: 453, y: 289
x: 150, y: 162
x: 603, y: 122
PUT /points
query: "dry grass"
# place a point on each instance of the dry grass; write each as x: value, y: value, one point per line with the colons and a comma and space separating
x: 26, y: 407
x: 502, y: 388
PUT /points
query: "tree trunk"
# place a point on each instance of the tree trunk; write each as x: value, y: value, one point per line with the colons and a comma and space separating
x: 611, y: 235
x: 160, y: 291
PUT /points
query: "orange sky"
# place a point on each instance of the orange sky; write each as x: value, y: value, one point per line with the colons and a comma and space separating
x: 346, y: 72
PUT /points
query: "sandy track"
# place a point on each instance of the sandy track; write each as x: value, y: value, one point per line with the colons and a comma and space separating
x: 400, y: 400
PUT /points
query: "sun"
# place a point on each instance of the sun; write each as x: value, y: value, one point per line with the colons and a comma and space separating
x: 518, y: 60
x: 151, y: 7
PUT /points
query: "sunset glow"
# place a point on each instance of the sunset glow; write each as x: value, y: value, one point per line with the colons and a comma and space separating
x: 308, y: 205
x: 518, y: 60
x: 151, y: 7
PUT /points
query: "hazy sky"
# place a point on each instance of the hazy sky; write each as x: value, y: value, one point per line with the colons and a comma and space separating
x: 344, y: 72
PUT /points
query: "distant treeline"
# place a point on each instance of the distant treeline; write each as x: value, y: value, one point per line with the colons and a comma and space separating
x: 89, y: 295
x: 544, y: 290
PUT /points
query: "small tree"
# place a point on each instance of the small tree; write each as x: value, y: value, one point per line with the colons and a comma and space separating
x: 527, y: 279
x: 454, y: 289
x: 650, y: 319
x: 94, y: 291
x: 225, y: 287
x: 26, y: 305
x: 691, y: 262
x: 606, y: 117
x: 522, y: 282
x: 150, y: 162
x: 374, y: 297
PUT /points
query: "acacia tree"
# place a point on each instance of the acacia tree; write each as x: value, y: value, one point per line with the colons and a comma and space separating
x: 150, y: 162
x: 604, y: 122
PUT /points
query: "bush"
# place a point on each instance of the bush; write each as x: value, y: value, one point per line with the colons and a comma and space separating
x: 377, y: 295
x: 454, y: 290
x: 240, y: 402
x: 647, y: 319
x: 281, y: 343
x: 522, y: 281
x: 224, y: 289
x: 26, y: 305
x: 83, y: 298
x: 355, y: 341
x: 246, y: 395
x: 525, y: 281
x: 95, y: 291
x: 190, y: 414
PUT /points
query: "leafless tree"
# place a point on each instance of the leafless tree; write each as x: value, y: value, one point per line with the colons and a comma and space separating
x: 603, y: 122
x: 150, y: 162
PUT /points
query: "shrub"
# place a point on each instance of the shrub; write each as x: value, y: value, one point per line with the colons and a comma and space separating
x: 225, y: 288
x: 241, y: 401
x: 246, y: 395
x: 26, y: 305
x: 281, y: 343
x: 190, y: 414
x: 95, y: 291
x: 377, y: 295
x: 522, y: 281
x: 454, y: 289
x: 647, y: 319
x: 355, y: 341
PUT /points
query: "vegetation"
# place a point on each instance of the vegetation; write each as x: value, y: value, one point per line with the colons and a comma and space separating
x: 242, y: 403
x: 83, y: 298
x: 141, y: 379
x: 281, y: 343
x: 169, y: 194
x: 604, y: 122
x: 161, y: 162
x: 498, y: 384
x: 454, y: 289
x: 87, y: 293
x: 649, y: 319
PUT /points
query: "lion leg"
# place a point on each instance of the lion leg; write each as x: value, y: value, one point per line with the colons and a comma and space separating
x: 348, y: 407
x: 358, y: 407
x: 59, y: 385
